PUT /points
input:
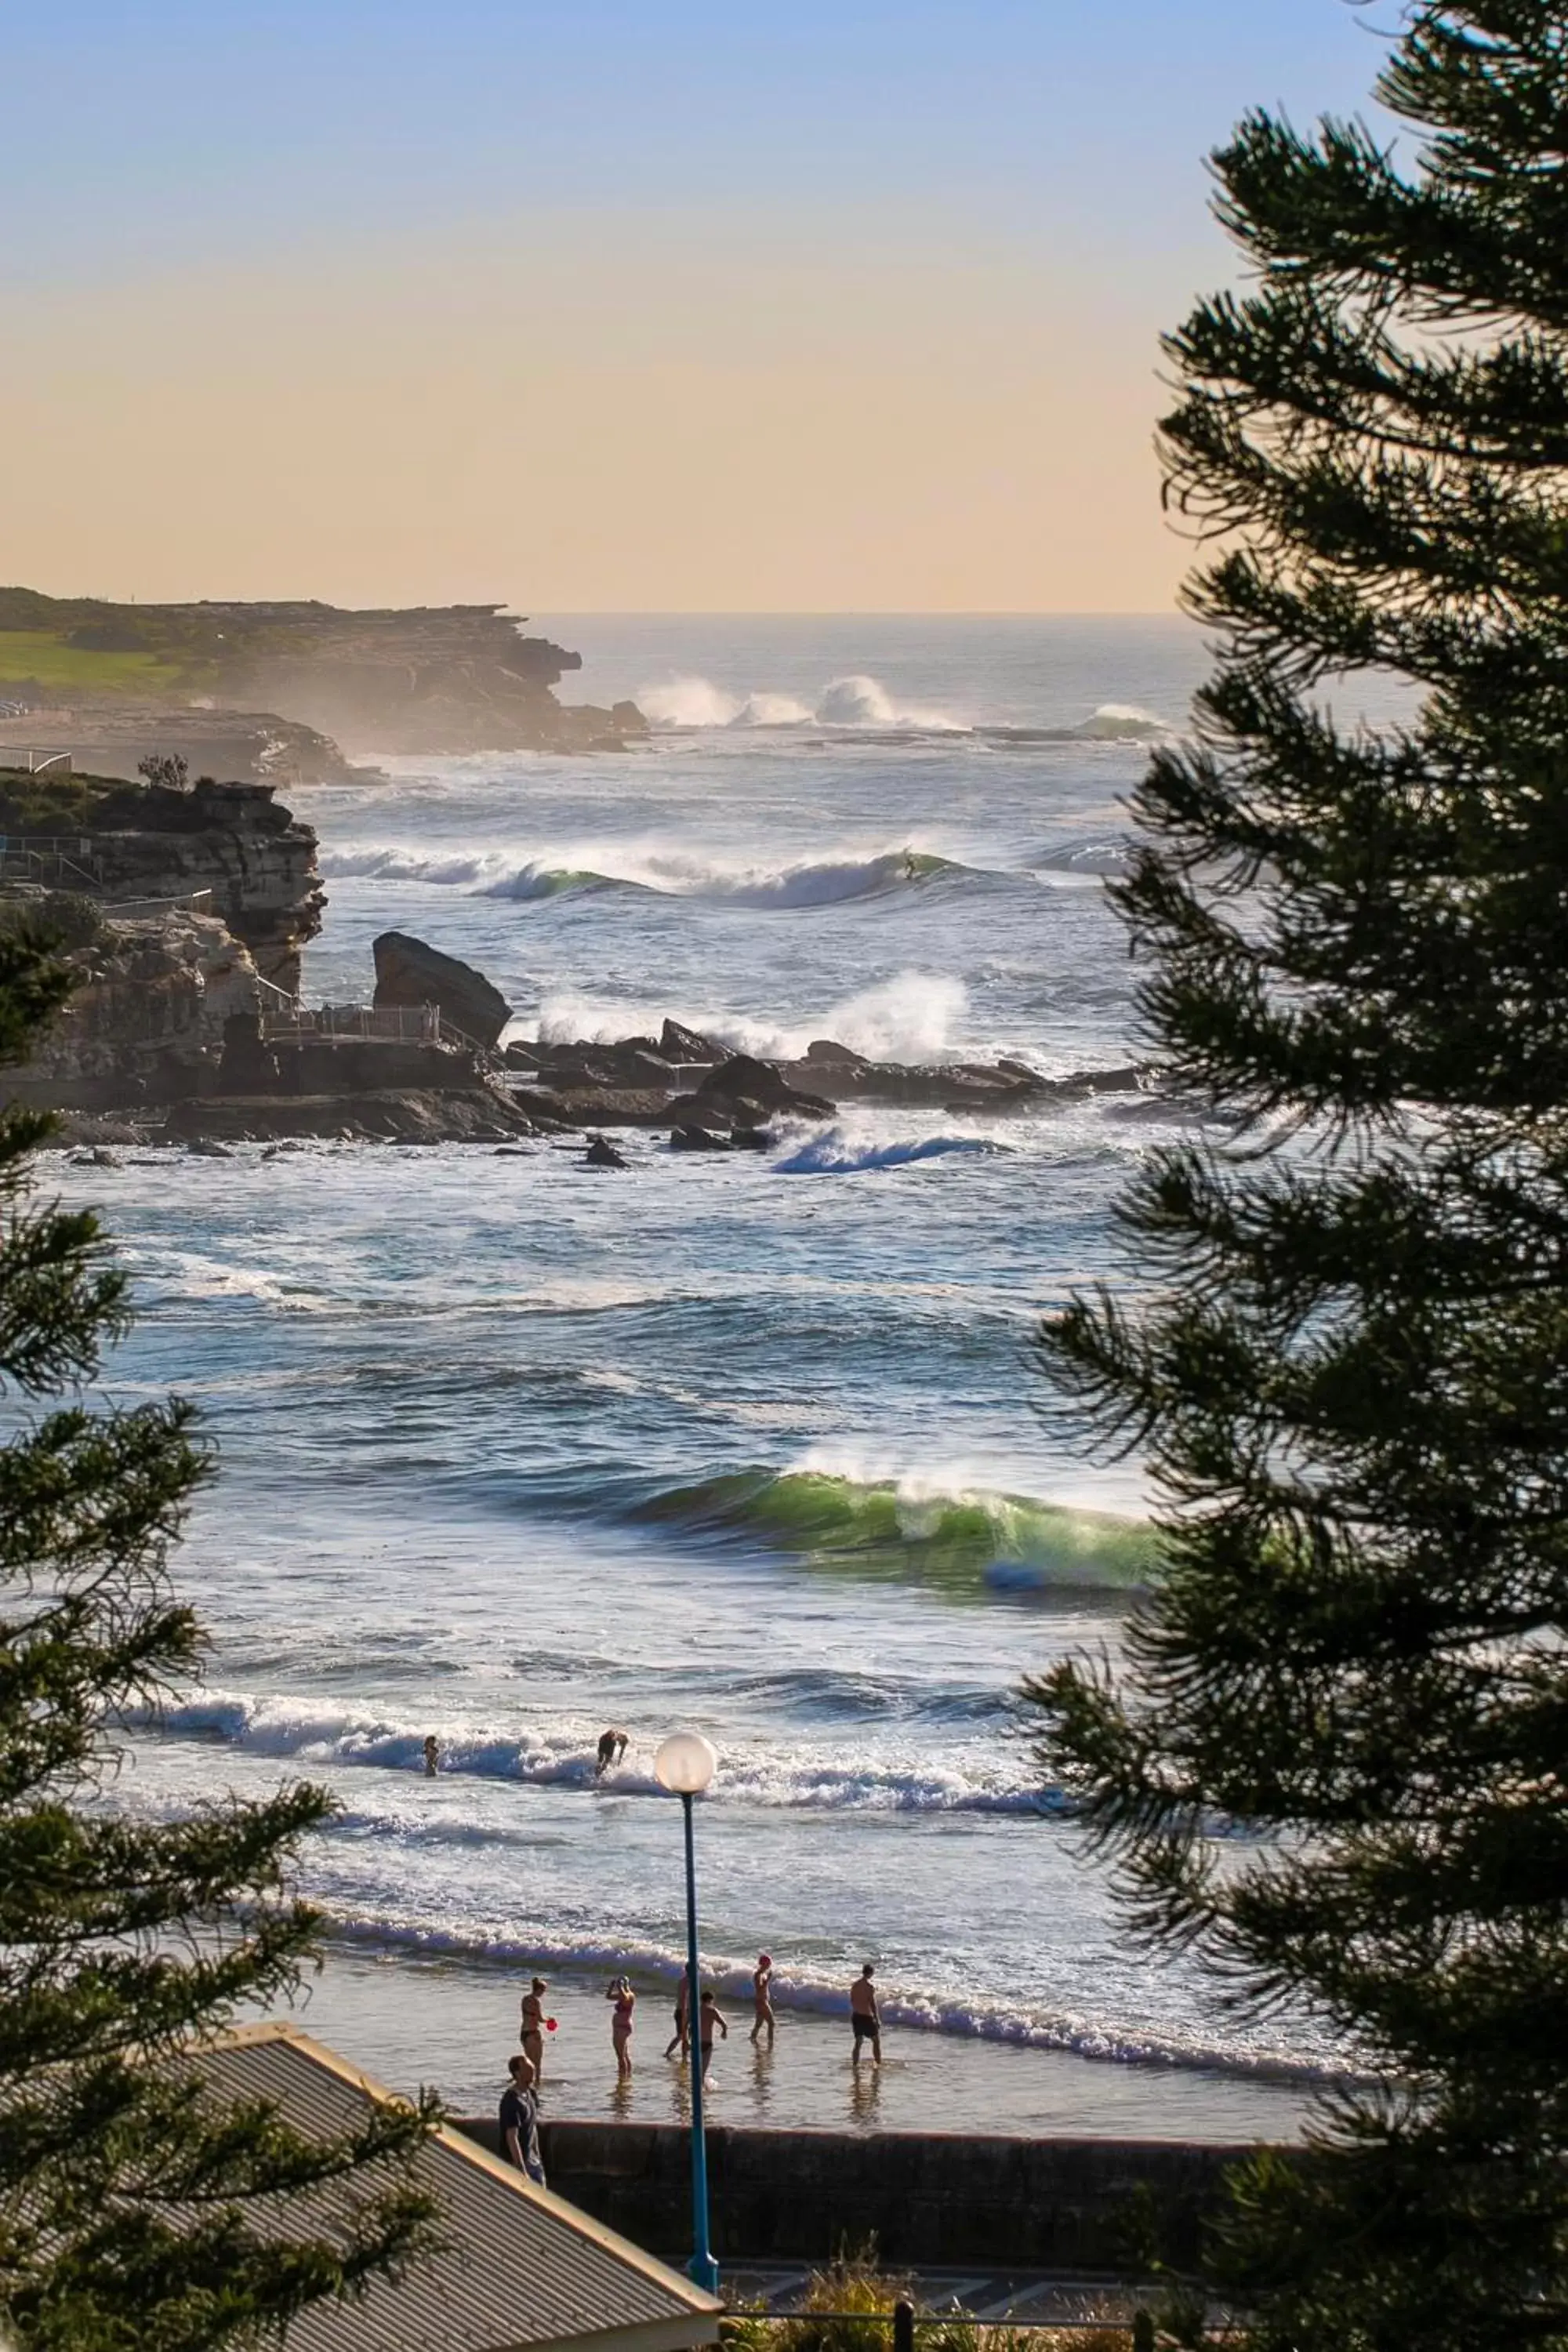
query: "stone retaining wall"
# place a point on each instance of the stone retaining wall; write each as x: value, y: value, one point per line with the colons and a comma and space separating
x: 930, y: 2200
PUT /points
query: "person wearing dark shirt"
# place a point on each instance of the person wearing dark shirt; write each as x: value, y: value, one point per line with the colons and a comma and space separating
x: 519, y: 2119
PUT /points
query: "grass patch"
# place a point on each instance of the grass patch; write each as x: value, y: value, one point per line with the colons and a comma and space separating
x: 42, y: 657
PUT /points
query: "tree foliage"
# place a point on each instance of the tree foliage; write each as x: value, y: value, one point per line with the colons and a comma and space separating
x: 133, y: 2211
x: 1343, y: 1344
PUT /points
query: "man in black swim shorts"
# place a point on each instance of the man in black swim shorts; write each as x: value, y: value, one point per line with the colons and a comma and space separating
x: 864, y: 2017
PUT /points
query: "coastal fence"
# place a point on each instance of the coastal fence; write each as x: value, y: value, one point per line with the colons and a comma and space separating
x: 284, y: 1018
x: 52, y: 862
x: 34, y: 757
x: 127, y: 910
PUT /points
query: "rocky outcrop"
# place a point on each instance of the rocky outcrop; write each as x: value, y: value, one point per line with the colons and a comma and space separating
x: 479, y: 1114
x: 134, y: 845
x: 441, y: 679
x: 639, y: 1081
x: 409, y: 974
x: 148, y: 1021
x: 109, y: 738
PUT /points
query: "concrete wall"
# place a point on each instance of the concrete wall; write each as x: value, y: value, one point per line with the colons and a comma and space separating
x: 928, y: 2198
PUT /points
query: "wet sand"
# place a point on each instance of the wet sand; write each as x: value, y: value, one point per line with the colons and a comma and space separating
x: 413, y: 2021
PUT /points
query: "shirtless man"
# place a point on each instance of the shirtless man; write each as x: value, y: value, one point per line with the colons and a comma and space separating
x: 707, y: 2017
x: 864, y: 2017
x: 432, y: 1754
x: 681, y: 2037
x: 763, y: 1998
x: 612, y: 1748
x: 533, y: 2025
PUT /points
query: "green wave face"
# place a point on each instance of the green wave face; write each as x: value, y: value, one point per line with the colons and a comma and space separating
x: 966, y: 1543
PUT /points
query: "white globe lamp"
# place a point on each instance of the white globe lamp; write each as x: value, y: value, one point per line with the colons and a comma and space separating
x: 685, y: 1764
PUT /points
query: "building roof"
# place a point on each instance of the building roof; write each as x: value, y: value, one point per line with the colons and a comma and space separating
x: 521, y: 2271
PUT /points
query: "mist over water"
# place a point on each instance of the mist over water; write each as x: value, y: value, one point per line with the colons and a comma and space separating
x: 512, y: 1450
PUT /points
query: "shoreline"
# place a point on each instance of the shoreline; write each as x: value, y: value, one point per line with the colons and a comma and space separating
x: 454, y: 2024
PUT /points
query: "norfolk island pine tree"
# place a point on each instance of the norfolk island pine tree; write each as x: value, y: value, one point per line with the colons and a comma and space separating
x: 127, y: 2211
x: 1342, y: 1349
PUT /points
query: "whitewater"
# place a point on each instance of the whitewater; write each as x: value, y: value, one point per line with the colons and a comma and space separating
x: 512, y: 1450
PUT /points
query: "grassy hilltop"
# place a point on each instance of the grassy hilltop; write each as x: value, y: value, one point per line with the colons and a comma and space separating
x: 453, y: 677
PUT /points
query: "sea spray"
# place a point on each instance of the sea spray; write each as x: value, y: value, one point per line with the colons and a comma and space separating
x: 913, y: 1017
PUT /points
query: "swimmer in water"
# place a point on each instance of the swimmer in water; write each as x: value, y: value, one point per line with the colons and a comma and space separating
x: 612, y: 1748
x: 432, y: 1754
x: 762, y: 1998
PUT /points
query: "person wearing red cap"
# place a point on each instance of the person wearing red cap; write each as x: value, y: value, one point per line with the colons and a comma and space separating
x: 762, y: 1998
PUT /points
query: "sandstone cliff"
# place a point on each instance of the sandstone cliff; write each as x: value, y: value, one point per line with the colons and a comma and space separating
x: 119, y: 841
x: 259, y: 689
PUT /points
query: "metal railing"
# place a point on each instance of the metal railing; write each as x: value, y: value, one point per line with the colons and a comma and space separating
x: 283, y: 1017
x: 34, y: 757
x: 125, y: 910
x: 59, y: 862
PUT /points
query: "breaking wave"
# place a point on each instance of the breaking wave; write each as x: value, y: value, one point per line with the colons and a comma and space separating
x: 856, y: 704
x: 899, y: 1527
x: 832, y: 1154
x: 813, y: 882
x: 280, y: 1727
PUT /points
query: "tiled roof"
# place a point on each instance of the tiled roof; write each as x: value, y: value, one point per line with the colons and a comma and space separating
x: 521, y: 2269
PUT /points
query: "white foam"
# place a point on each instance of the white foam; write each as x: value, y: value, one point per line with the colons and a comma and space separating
x: 865, y: 703
x: 688, y: 702
x: 856, y: 704
x: 832, y: 1154
x: 1120, y: 722
x: 913, y: 1017
x: 564, y: 1757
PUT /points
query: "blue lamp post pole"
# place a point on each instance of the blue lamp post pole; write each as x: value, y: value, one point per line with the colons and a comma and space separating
x: 685, y: 1764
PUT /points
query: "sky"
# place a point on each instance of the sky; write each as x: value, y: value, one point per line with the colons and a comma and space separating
x: 617, y: 305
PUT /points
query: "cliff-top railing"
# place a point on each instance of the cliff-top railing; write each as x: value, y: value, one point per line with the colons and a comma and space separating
x: 282, y: 1016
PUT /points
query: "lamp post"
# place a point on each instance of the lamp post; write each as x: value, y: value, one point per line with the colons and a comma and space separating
x: 685, y: 1765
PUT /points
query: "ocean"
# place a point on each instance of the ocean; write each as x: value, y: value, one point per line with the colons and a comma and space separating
x: 512, y: 1449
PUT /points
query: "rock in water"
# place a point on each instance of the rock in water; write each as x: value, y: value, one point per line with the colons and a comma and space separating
x: 744, y: 1080
x: 751, y: 1138
x: 695, y: 1139
x: 408, y: 972
x: 678, y: 1043
x: 600, y: 1154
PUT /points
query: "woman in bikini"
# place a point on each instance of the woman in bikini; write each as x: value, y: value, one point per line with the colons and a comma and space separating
x: 534, y: 2026
x: 626, y: 2001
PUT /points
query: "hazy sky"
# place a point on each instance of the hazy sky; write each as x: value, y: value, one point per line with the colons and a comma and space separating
x: 616, y: 304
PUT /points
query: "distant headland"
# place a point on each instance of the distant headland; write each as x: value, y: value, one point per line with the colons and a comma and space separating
x: 286, y: 693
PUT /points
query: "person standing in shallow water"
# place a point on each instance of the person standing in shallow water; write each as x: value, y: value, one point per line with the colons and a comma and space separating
x: 708, y: 2019
x: 681, y: 2037
x: 763, y: 1998
x: 864, y: 2017
x: 534, y: 2026
x: 626, y: 2001
x: 432, y: 1754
